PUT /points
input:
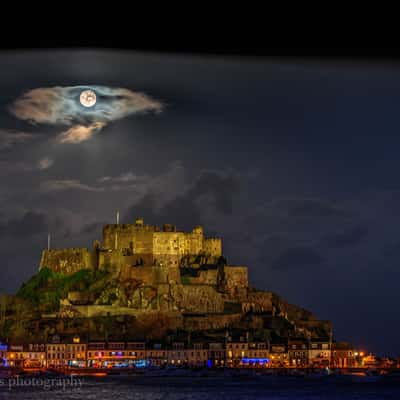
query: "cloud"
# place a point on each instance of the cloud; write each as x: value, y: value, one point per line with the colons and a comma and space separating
x: 349, y: 238
x: 122, y: 182
x: 313, y: 207
x: 297, y: 257
x: 126, y: 181
x: 17, y: 167
x: 186, y: 208
x: 45, y: 163
x: 10, y: 138
x: 29, y: 224
x: 92, y: 227
x: 12, y: 167
x: 67, y: 184
x: 124, y: 177
x: 61, y: 106
x: 80, y: 133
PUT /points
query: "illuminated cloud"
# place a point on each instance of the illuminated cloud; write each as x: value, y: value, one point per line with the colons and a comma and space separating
x: 80, y: 133
x: 67, y: 184
x: 61, y: 106
x: 125, y: 177
x: 16, y: 167
x: 126, y: 181
x: 45, y: 163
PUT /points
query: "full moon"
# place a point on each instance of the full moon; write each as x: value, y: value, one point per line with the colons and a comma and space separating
x: 88, y: 98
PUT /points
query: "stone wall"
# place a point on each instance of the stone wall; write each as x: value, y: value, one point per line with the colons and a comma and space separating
x: 145, y: 239
x: 143, y: 274
x: 67, y: 261
x: 235, y: 278
x: 197, y: 299
x: 212, y: 247
x: 194, y: 241
x: 258, y: 301
x: 125, y: 236
x: 150, y: 275
x: 169, y: 243
x: 205, y: 322
x: 207, y: 277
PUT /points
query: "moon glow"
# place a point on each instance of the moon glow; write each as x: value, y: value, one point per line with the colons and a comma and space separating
x: 88, y: 98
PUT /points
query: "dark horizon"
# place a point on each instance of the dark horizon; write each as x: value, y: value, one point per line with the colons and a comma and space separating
x: 291, y: 162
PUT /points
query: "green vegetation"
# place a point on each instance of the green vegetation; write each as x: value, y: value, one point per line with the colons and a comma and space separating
x: 185, y: 279
x: 46, y: 288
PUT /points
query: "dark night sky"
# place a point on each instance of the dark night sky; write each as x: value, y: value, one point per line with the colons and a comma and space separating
x: 293, y: 163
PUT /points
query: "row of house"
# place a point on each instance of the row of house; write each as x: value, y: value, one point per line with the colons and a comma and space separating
x: 75, y: 353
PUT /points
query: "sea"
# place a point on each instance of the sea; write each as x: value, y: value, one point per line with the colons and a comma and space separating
x: 124, y: 388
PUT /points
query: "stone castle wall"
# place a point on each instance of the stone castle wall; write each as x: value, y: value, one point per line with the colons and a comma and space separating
x: 236, y: 277
x: 211, y: 321
x: 197, y: 298
x: 165, y: 246
x: 150, y: 275
x: 207, y: 277
x: 213, y: 247
x: 125, y: 236
x: 67, y: 261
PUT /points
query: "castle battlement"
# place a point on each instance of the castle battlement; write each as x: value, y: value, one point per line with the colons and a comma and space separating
x: 68, y: 249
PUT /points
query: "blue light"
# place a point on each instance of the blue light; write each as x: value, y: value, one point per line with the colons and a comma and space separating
x: 141, y: 363
x: 209, y: 364
x: 255, y: 360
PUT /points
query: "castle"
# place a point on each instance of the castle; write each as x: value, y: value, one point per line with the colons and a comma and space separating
x: 147, y: 253
x: 150, y: 281
x: 170, y: 270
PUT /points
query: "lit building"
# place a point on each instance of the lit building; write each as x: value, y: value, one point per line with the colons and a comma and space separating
x: 344, y: 356
x: 16, y: 356
x: 56, y: 355
x: 3, y: 354
x: 157, y: 355
x: 177, y: 354
x: 136, y: 354
x: 257, y: 355
x: 278, y: 355
x: 298, y: 352
x: 35, y: 356
x: 75, y: 353
x: 26, y: 356
x: 197, y: 355
x: 235, y: 352
x: 216, y: 355
x: 319, y: 352
x: 370, y: 361
x: 116, y: 355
